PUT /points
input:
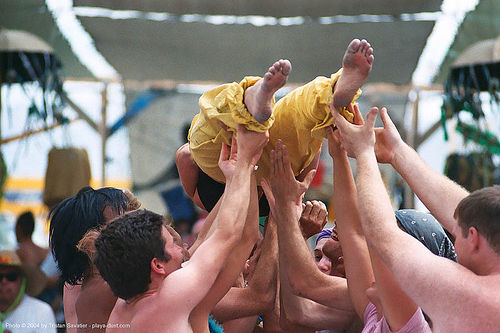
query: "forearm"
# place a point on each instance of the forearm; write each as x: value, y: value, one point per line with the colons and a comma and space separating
x: 208, y: 227
x: 263, y: 281
x: 294, y: 256
x: 438, y: 193
x: 377, y: 216
x: 296, y: 261
x: 234, y: 205
x: 354, y: 248
x: 303, y: 311
x: 397, y: 306
x: 259, y: 295
x: 241, y: 325
x: 235, y: 263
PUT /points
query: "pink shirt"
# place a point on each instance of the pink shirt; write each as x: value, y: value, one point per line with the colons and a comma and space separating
x: 416, y: 324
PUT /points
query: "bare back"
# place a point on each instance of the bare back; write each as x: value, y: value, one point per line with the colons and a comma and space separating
x: 94, y: 304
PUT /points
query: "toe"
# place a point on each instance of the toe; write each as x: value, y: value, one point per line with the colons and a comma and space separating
x: 354, y: 45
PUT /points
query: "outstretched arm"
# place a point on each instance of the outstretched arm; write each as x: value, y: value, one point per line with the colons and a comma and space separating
x: 438, y: 193
x: 453, y: 290
x: 204, y: 266
x: 285, y: 194
x: 357, y: 263
x: 234, y: 264
x: 258, y: 296
x: 397, y: 307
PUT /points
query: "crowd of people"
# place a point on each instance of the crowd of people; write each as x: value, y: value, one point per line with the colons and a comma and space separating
x: 125, y: 268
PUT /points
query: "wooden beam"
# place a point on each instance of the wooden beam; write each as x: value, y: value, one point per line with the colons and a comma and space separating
x: 80, y: 112
x: 103, y: 130
x: 422, y: 138
x: 32, y: 132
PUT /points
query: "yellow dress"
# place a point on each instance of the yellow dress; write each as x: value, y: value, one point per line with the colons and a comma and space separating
x: 298, y: 119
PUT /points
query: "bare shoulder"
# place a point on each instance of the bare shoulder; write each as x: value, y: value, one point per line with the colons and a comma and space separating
x: 473, y: 306
x: 151, y: 314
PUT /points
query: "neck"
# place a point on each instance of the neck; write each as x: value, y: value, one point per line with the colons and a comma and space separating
x: 25, y: 241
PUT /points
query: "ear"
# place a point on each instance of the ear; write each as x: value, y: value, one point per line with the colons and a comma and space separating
x: 475, y: 239
x: 158, y: 266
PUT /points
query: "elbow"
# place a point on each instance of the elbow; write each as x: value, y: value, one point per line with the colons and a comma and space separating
x: 187, y: 168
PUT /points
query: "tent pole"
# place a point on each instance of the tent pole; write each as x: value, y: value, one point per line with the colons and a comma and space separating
x: 412, y: 141
x: 104, y: 132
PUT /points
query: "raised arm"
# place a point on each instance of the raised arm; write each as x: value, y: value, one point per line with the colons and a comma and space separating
x: 258, y: 296
x: 204, y: 266
x: 438, y: 193
x: 357, y: 263
x: 453, y: 291
x: 234, y: 264
x: 285, y: 194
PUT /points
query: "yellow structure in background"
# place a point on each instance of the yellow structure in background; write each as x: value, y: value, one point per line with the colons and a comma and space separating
x: 22, y: 194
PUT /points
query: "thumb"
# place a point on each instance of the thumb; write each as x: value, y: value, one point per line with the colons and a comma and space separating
x: 223, y: 152
x: 371, y: 117
x: 308, y: 179
x: 386, y: 119
x: 340, y: 121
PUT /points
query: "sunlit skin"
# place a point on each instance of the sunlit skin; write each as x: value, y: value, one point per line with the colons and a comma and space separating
x: 178, y: 240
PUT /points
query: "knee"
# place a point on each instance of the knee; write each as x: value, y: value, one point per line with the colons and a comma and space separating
x: 183, y: 156
x: 187, y: 168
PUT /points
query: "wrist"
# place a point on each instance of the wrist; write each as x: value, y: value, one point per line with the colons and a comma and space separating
x: 366, y: 154
x: 400, y: 152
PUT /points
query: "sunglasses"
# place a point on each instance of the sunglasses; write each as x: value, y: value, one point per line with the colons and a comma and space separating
x: 11, y: 277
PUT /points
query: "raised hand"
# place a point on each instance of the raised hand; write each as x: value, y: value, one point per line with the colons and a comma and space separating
x: 228, y: 159
x: 313, y: 219
x: 357, y: 139
x: 387, y: 139
x: 250, y: 144
x: 282, y: 187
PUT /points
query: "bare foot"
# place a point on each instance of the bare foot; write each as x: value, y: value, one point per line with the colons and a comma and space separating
x: 258, y: 98
x: 357, y: 64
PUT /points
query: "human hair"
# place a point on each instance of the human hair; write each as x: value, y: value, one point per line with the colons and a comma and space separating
x: 481, y: 210
x: 125, y: 248
x: 25, y: 224
x: 72, y: 218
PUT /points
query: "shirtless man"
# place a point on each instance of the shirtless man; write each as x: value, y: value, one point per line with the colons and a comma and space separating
x: 306, y: 108
x: 87, y: 298
x: 460, y: 297
x: 29, y: 253
x: 138, y: 258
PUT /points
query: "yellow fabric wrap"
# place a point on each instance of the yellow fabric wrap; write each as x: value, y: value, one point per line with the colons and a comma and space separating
x: 298, y: 120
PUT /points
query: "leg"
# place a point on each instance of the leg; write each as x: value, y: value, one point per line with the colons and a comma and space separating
x: 258, y: 98
x: 356, y: 65
x: 248, y: 103
x: 188, y: 173
x: 303, y: 114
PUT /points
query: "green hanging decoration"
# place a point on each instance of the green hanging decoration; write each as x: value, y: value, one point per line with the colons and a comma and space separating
x: 475, y: 71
